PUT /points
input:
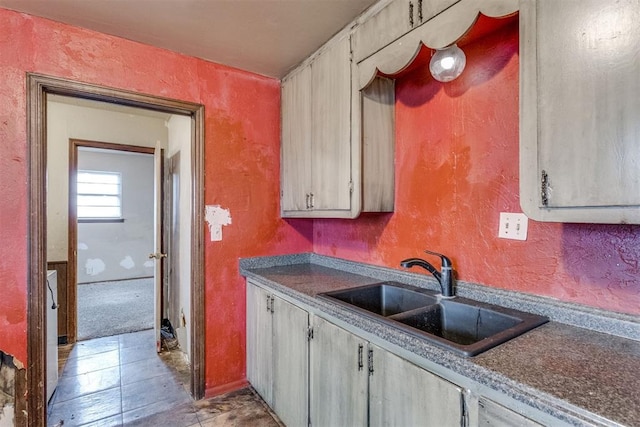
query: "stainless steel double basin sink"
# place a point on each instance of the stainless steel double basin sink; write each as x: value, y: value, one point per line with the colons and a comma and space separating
x: 466, y: 326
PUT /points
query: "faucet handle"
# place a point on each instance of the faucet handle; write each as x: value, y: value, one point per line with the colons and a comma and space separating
x: 446, y: 262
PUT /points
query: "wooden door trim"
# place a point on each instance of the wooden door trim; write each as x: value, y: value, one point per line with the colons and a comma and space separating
x: 38, y: 86
x: 72, y: 234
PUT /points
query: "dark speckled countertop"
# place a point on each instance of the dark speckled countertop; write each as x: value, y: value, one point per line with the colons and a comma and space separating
x: 565, y: 369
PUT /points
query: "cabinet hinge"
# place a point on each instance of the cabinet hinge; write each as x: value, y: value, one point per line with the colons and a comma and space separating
x: 544, y: 188
x: 309, y: 333
x: 351, y: 187
x: 370, y: 361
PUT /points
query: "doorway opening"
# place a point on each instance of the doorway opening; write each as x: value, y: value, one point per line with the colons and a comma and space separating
x: 112, y: 207
x: 39, y: 88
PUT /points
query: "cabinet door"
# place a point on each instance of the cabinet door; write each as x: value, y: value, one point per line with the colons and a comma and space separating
x: 389, y: 24
x: 580, y: 110
x: 338, y: 394
x: 296, y: 142
x: 259, y: 341
x: 402, y: 394
x: 290, y: 363
x: 491, y: 414
x: 331, y: 128
x: 396, y: 19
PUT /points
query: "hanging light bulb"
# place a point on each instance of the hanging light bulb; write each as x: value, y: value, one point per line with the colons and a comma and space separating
x: 447, y: 64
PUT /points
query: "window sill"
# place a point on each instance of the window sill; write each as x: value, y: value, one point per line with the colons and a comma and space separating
x: 99, y: 220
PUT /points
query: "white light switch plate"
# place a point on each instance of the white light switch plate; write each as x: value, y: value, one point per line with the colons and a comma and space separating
x: 513, y: 226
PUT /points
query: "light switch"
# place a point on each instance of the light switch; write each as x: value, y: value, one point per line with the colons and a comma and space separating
x: 513, y: 226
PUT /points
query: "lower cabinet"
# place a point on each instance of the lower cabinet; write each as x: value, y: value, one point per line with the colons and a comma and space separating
x: 314, y: 373
x: 259, y: 341
x: 339, y: 376
x: 277, y: 354
x: 490, y: 414
x: 351, y: 377
x: 402, y: 394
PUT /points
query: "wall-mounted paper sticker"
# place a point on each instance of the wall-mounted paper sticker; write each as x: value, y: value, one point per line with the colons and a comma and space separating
x: 216, y: 217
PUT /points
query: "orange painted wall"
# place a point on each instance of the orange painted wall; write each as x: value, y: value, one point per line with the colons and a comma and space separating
x: 241, y: 162
x: 457, y: 169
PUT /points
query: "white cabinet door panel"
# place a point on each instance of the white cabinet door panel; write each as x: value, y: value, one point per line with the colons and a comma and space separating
x: 290, y: 358
x: 338, y: 395
x: 580, y: 110
x: 331, y: 128
x: 296, y: 141
x: 402, y: 394
x: 259, y: 342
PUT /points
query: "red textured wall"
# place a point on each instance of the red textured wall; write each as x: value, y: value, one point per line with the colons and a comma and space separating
x: 457, y: 169
x: 241, y: 163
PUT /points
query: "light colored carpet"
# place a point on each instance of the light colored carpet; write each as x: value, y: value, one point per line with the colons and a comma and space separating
x: 111, y: 308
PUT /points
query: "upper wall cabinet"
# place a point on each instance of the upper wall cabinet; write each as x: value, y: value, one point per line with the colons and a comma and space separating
x: 316, y: 137
x: 580, y: 110
x: 393, y: 21
x: 323, y: 161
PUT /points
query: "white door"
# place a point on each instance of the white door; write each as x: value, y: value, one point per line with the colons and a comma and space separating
x: 157, y: 254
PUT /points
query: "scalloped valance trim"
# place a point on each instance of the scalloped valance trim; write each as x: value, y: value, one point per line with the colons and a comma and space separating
x: 443, y: 30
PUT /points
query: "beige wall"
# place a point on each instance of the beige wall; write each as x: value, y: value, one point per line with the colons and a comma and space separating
x: 180, y: 141
x: 65, y: 121
x: 119, y: 250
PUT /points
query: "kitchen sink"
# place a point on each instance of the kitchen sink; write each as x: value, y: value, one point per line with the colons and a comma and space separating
x: 466, y: 326
x: 385, y: 299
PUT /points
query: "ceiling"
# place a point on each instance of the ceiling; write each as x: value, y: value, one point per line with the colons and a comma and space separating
x: 267, y: 37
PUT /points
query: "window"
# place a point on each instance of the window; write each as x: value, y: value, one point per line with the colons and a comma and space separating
x: 99, y: 195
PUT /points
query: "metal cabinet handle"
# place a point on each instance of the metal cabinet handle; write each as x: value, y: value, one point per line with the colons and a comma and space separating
x: 308, y: 198
x: 360, y: 362
x: 544, y: 188
x: 420, y: 11
x: 268, y: 302
x: 312, y: 201
x: 272, y: 303
x: 411, y: 14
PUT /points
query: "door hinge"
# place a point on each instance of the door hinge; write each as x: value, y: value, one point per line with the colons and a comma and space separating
x: 370, y: 361
x: 309, y: 333
x: 360, y: 356
x: 544, y: 188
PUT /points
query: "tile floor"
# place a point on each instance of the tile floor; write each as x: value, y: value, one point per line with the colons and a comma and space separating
x: 122, y: 381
